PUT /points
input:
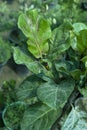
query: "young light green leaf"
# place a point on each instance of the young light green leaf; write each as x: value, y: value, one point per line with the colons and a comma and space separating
x: 38, y: 31
x: 82, y: 41
x: 36, y: 49
x: 39, y: 117
x: 58, y: 94
x: 27, y: 22
x: 22, y: 58
x: 77, y: 27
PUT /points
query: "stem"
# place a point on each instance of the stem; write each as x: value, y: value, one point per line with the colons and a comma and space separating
x: 55, y: 73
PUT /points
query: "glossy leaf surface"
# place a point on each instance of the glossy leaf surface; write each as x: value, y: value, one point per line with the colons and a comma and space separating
x: 58, y: 94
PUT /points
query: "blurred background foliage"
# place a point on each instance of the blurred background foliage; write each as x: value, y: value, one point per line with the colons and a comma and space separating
x: 56, y: 10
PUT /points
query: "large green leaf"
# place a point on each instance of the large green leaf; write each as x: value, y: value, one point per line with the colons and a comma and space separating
x: 77, y: 119
x: 38, y: 31
x: 39, y: 117
x: 27, y: 22
x: 55, y: 95
x: 32, y: 64
x: 22, y: 58
x: 27, y: 90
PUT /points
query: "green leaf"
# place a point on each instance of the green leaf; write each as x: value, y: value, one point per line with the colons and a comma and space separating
x: 82, y: 41
x: 81, y: 103
x: 22, y: 58
x: 77, y: 27
x: 79, y: 41
x: 60, y: 42
x: 84, y: 60
x: 39, y: 117
x: 64, y: 66
x: 27, y: 90
x: 12, y: 115
x: 36, y: 49
x: 26, y: 22
x: 83, y: 91
x: 48, y: 91
x: 55, y: 95
x: 73, y: 40
x: 76, y: 74
x: 5, y: 51
x: 77, y: 119
x: 38, y: 31
x: 78, y: 37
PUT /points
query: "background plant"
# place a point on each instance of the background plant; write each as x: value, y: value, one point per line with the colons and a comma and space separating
x: 8, y: 18
x: 5, y: 51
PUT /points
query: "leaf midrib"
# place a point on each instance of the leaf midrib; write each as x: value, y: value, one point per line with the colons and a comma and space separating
x: 41, y: 116
x: 34, y: 35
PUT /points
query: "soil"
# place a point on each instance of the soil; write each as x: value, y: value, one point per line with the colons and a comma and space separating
x: 7, y: 74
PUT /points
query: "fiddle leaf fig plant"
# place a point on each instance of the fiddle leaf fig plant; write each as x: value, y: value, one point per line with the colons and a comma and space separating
x: 56, y: 59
